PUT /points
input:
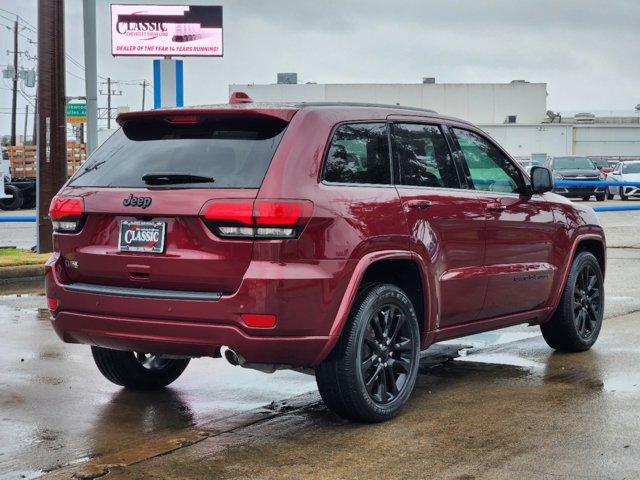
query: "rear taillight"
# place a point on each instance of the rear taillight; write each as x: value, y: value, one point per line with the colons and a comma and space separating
x: 66, y: 213
x: 52, y: 303
x: 257, y: 219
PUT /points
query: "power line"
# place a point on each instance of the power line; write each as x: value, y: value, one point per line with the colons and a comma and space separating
x: 33, y: 29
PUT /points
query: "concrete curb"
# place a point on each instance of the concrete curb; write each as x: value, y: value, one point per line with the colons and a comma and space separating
x: 21, y: 273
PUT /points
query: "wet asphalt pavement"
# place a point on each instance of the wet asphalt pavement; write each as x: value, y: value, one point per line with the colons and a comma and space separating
x: 492, y: 406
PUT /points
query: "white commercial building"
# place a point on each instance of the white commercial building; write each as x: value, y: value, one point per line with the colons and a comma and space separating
x: 478, y: 103
x: 514, y: 113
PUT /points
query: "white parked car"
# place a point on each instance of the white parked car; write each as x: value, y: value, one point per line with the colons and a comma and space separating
x: 625, y: 172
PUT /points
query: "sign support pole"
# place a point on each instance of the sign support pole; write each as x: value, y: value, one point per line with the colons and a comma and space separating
x: 168, y: 79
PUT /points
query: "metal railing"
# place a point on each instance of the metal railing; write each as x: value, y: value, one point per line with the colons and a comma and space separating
x: 602, y: 183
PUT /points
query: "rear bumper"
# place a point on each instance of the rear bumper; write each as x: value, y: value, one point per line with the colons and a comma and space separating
x: 184, y: 338
x: 304, y: 298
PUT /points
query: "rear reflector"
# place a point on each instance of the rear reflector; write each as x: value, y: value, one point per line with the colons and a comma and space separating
x: 52, y: 303
x: 66, y: 213
x: 259, y: 219
x: 255, y: 320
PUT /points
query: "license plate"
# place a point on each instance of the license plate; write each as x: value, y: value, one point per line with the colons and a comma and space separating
x: 136, y: 236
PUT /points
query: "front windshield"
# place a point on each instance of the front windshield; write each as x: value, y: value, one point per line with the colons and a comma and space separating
x: 631, y: 168
x: 572, y: 163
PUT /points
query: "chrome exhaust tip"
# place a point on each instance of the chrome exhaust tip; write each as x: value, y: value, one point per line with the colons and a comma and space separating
x: 233, y: 358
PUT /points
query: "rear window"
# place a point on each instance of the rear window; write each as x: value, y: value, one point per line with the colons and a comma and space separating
x: 235, y: 152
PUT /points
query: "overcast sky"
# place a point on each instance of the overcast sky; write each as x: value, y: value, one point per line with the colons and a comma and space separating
x: 585, y: 50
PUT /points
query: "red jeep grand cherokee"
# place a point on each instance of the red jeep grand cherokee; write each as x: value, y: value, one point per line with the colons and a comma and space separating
x: 346, y: 238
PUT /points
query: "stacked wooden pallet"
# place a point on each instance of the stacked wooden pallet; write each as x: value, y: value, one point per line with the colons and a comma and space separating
x: 23, y: 159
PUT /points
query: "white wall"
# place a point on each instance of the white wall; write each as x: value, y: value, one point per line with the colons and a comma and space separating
x: 566, y: 139
x: 523, y: 140
x: 607, y: 140
x: 478, y: 103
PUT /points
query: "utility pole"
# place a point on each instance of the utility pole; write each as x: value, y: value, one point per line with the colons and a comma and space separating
x: 14, y: 102
x: 110, y: 91
x: 52, y: 151
x: 26, y: 119
x: 108, y: 103
x: 144, y: 91
x: 90, y: 73
x: 34, y: 135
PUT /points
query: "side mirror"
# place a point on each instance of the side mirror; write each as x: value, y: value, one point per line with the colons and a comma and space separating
x: 541, y: 180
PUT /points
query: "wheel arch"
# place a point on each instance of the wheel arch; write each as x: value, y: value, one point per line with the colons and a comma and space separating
x: 589, y: 242
x: 596, y: 247
x: 400, y: 267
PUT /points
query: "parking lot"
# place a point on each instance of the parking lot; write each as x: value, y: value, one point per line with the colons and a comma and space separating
x: 496, y: 405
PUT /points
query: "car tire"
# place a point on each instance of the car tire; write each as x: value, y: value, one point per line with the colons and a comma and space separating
x: 16, y: 200
x: 601, y: 197
x: 29, y: 202
x: 586, y: 199
x: 576, y: 323
x: 622, y: 195
x: 369, y: 375
x: 610, y: 196
x: 137, y: 371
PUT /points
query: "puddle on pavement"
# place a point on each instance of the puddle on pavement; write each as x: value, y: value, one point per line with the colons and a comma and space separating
x: 622, y: 384
x: 494, y: 338
x: 497, y: 359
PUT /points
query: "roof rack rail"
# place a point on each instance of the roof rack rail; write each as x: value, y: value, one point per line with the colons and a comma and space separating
x: 363, y: 104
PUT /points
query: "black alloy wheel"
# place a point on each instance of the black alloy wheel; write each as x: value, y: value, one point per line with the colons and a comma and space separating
x: 386, y: 354
x: 587, y: 301
x: 576, y: 323
x: 371, y: 371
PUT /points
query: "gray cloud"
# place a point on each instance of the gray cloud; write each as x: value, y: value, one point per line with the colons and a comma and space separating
x: 585, y: 50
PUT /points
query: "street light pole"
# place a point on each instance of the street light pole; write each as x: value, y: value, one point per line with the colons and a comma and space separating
x: 52, y: 151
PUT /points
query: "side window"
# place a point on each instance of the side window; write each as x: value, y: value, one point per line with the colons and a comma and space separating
x: 359, y: 153
x: 423, y: 156
x: 489, y: 169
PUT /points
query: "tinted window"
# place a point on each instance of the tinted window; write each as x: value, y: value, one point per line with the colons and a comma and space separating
x: 359, y: 153
x: 235, y: 152
x: 423, y: 156
x: 489, y: 169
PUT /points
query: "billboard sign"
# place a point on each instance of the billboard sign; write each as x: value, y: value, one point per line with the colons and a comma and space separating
x: 166, y: 30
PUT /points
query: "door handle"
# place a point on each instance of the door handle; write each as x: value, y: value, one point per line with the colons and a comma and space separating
x: 495, y: 207
x: 418, y: 204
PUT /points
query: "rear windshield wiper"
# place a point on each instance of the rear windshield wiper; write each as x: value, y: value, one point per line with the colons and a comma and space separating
x: 171, y: 178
